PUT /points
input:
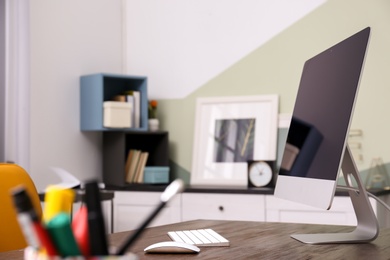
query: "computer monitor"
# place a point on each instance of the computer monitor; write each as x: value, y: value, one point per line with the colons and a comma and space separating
x: 316, y: 146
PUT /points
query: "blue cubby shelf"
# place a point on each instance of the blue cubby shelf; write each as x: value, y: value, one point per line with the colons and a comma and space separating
x: 97, y: 88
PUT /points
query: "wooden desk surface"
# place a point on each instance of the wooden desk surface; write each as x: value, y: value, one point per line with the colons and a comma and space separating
x: 254, y: 240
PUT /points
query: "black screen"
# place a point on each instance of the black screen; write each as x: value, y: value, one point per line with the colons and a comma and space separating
x: 323, y: 109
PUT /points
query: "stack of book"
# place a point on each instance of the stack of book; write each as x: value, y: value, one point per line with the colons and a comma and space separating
x: 135, y: 166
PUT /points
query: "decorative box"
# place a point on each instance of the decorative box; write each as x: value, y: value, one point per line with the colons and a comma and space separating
x: 117, y: 114
x: 156, y: 174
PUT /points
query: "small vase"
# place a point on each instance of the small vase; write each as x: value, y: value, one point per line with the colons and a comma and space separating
x: 153, y: 124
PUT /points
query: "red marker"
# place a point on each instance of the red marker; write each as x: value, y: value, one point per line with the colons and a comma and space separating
x: 45, y: 239
x: 80, y: 230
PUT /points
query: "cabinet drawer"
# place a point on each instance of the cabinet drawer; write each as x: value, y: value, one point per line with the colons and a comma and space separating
x: 223, y: 206
x: 132, y: 208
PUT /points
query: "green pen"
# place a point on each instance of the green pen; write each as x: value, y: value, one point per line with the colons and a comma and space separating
x: 60, y: 231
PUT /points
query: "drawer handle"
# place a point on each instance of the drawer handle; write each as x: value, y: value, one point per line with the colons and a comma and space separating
x: 220, y: 208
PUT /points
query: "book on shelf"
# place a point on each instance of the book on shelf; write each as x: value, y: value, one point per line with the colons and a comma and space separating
x: 128, y: 162
x: 130, y: 99
x: 139, y: 176
x: 135, y: 166
x: 134, y: 97
x: 132, y: 165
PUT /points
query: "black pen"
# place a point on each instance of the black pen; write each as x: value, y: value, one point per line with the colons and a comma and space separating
x: 172, y: 189
x: 96, y: 227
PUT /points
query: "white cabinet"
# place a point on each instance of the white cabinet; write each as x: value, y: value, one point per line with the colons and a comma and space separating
x: 223, y: 206
x: 132, y: 208
x: 341, y: 212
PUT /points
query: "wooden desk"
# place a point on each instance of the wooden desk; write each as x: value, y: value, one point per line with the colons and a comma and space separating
x: 254, y: 240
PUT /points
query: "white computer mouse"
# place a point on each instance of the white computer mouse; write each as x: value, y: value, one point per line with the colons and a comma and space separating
x: 172, y: 247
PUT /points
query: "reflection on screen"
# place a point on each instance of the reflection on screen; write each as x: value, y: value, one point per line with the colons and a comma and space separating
x: 303, y: 141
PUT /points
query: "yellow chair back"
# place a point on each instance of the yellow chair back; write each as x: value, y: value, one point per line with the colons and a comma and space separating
x: 12, y: 175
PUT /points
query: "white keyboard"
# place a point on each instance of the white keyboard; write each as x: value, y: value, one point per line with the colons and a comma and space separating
x: 199, y: 237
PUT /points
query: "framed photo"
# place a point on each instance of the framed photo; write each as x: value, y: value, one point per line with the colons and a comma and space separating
x: 229, y: 132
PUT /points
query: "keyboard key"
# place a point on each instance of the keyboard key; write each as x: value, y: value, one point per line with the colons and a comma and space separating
x: 217, y: 236
x: 193, y: 237
x: 200, y: 236
x: 175, y: 237
x: 208, y: 236
x: 185, y: 238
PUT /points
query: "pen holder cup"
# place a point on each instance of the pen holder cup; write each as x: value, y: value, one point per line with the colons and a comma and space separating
x: 31, y: 254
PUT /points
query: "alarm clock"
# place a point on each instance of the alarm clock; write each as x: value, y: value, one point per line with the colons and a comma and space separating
x: 260, y: 173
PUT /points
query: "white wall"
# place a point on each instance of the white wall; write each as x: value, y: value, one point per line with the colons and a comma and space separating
x: 2, y: 80
x: 181, y: 45
x: 68, y: 39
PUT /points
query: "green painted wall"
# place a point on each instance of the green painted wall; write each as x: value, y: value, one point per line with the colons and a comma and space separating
x: 276, y: 67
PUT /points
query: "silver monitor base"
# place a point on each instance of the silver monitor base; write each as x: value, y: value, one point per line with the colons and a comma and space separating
x: 367, y: 228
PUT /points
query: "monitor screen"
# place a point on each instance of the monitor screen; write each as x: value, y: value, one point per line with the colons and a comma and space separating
x: 320, y: 123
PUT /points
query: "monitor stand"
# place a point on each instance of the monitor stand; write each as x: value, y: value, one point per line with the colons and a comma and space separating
x: 367, y: 228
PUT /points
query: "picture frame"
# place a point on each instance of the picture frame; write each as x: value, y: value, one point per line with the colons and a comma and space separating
x: 229, y: 131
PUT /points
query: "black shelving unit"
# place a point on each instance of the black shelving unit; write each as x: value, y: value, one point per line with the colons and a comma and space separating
x: 116, y: 146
